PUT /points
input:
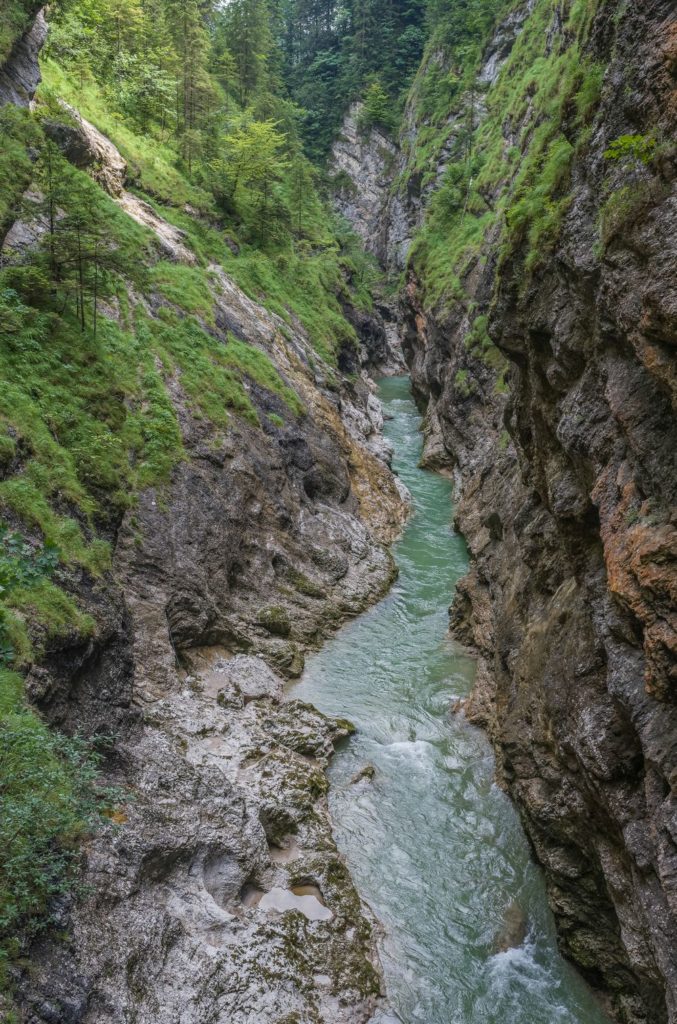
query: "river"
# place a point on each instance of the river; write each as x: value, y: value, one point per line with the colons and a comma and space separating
x: 435, y: 847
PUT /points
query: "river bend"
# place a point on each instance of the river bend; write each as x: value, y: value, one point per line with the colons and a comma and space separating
x: 435, y: 847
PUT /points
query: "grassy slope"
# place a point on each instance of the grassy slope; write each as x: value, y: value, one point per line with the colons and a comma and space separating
x: 74, y: 448
x: 521, y: 191
x: 303, y: 280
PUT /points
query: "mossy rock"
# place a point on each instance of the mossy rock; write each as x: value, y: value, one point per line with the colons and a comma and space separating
x: 276, y: 620
x: 306, y: 586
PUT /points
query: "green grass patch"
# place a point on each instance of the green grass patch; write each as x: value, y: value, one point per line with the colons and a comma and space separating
x: 547, y: 99
x: 48, y: 802
x: 259, y: 367
x: 150, y: 156
x: 202, y: 367
x: 186, y: 287
x: 18, y: 132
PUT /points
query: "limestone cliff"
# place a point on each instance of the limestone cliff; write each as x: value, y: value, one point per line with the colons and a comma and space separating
x: 565, y: 461
x: 268, y: 534
x: 20, y: 72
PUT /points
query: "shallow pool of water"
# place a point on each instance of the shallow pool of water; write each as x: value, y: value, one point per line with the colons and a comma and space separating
x: 435, y: 847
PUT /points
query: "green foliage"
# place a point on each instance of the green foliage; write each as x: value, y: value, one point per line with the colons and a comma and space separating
x: 479, y: 344
x: 26, y: 591
x: 632, y: 188
x: 331, y: 50
x: 48, y: 801
x: 538, y: 206
x: 90, y: 417
x: 255, y: 181
x: 253, y: 163
x: 186, y: 287
x: 151, y: 155
x: 463, y: 384
x: 632, y: 149
x: 545, y: 100
x: 199, y: 362
x: 18, y: 133
x: 377, y: 109
x: 306, y: 281
x: 16, y: 18
x: 21, y: 564
x: 257, y: 366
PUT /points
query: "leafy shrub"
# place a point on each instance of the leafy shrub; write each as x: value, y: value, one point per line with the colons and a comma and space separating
x: 48, y: 801
x: 632, y: 149
x: 22, y: 568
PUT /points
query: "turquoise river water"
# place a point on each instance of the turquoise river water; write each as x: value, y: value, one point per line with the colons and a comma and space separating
x: 435, y: 847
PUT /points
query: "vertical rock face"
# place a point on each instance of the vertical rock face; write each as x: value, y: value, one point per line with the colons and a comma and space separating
x: 568, y: 490
x: 362, y: 165
x: 20, y: 75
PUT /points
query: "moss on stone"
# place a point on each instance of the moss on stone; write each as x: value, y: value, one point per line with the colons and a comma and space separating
x: 275, y: 620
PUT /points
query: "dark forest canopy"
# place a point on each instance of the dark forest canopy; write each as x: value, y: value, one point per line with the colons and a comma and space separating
x: 164, y: 56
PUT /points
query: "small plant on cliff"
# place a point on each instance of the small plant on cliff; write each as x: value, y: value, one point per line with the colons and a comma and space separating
x: 632, y: 149
x: 377, y: 110
x: 463, y: 384
x: 24, y: 570
x: 638, y: 189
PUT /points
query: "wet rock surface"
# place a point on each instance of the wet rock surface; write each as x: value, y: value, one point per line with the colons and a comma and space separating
x: 170, y: 931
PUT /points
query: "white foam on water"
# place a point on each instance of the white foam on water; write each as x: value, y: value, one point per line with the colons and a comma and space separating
x: 516, y: 970
x: 418, y: 752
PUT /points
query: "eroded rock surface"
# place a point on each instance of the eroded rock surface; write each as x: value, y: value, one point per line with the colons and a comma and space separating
x: 220, y: 778
x: 268, y: 536
x: 362, y: 163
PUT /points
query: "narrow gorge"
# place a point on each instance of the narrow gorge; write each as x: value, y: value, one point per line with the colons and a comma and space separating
x: 285, y: 288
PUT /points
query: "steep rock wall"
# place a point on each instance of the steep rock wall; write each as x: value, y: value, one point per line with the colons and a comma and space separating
x: 567, y: 497
x: 20, y: 73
